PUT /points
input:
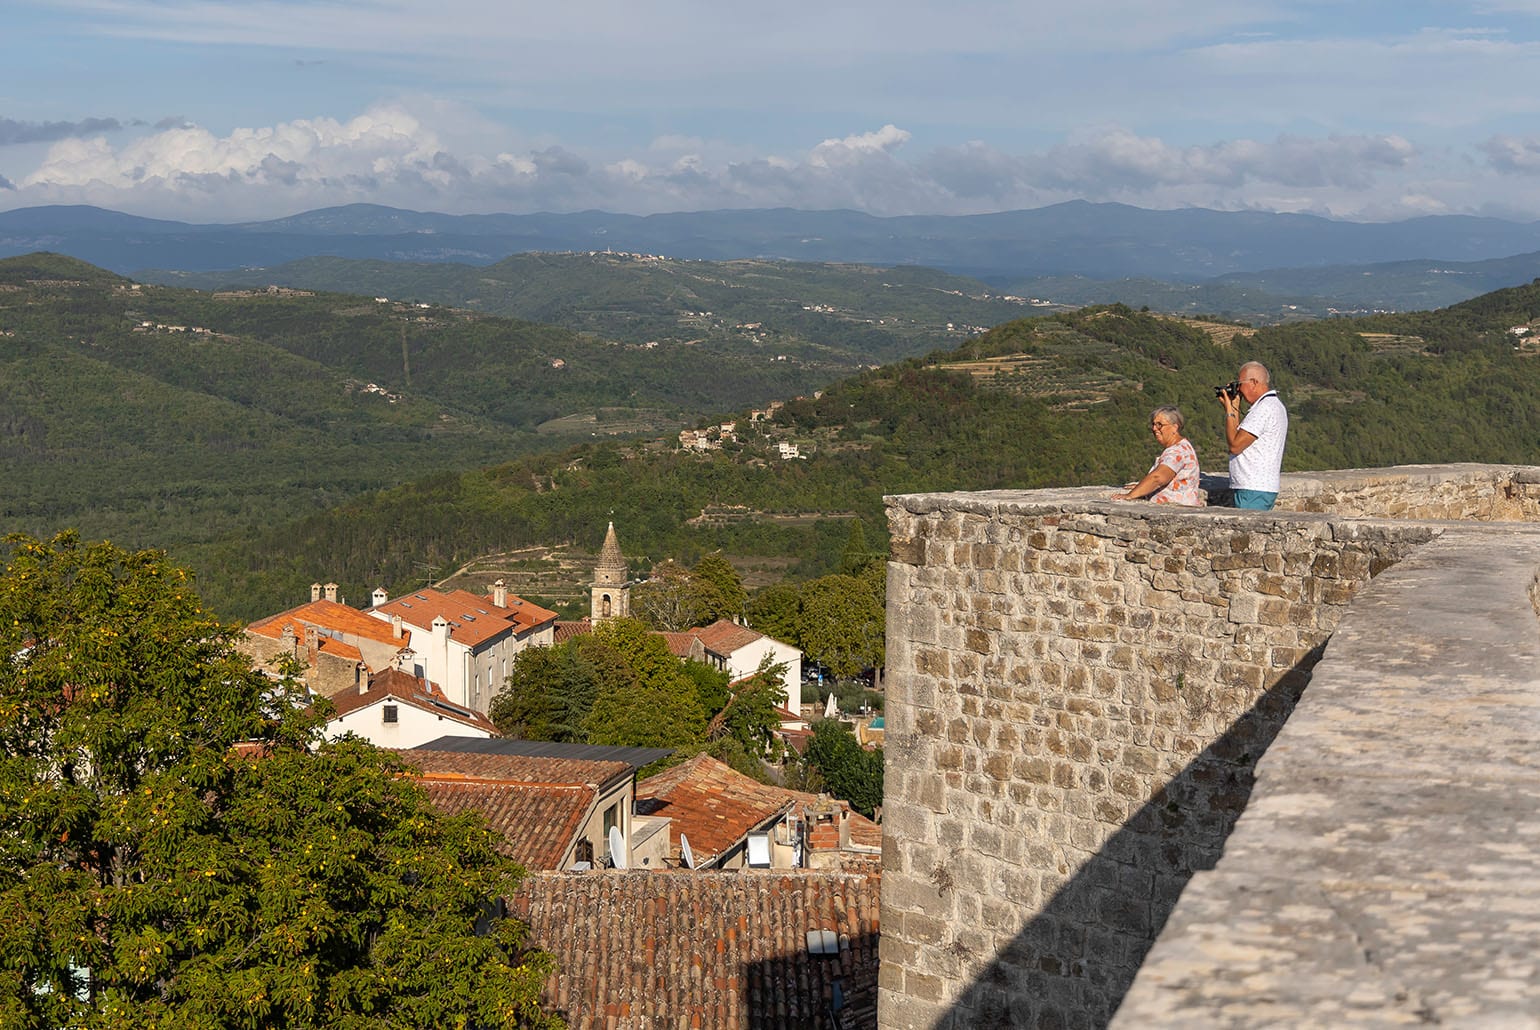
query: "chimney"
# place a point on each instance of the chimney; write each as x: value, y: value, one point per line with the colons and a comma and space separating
x: 361, y: 675
x: 312, y: 643
x: 315, y: 591
x: 289, y: 639
x: 379, y: 597
x: 499, y: 594
x: 395, y: 627
x: 331, y: 592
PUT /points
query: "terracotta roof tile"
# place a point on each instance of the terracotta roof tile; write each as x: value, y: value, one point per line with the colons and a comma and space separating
x: 565, y: 631
x: 538, y: 821
x: 723, y: 637
x: 333, y: 646
x: 409, y: 689
x: 711, y: 803
x: 472, y: 620
x: 679, y: 644
x: 328, y: 615
x: 714, y: 805
x: 523, y: 615
x: 711, y: 950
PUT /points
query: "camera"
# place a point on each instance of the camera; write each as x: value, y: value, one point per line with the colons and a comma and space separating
x: 1231, y: 390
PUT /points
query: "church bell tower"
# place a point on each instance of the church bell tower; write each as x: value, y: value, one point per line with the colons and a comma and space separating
x: 611, y: 598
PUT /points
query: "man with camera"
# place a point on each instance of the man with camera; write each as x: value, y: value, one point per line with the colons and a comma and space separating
x: 1256, y: 443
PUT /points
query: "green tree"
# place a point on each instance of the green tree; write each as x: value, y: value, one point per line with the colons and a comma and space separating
x: 549, y: 691
x: 152, y: 873
x: 846, y: 769
x: 661, y: 708
x: 777, y: 611
x: 669, y: 599
x: 856, y: 555
x: 843, y: 620
x: 752, y: 714
x: 710, y: 685
x: 719, y: 589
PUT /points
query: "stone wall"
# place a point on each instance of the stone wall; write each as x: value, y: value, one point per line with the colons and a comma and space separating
x: 1079, y: 691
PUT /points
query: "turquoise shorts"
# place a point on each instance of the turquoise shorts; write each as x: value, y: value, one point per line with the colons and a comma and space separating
x: 1258, y: 500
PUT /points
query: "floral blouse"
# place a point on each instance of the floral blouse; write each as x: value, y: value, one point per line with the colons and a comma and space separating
x: 1182, y: 459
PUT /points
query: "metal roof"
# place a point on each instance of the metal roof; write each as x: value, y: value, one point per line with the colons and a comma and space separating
x: 633, y: 756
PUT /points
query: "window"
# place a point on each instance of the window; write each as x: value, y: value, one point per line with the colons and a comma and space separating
x: 391, y: 713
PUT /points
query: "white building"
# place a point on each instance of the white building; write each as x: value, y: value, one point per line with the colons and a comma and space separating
x: 464, y: 642
x: 739, y: 650
x: 398, y: 710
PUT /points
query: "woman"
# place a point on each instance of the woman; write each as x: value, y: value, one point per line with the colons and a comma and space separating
x: 1173, y: 479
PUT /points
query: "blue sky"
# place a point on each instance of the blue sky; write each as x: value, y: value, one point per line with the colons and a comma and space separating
x: 208, y: 110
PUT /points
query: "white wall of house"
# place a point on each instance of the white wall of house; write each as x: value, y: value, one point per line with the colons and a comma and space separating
x: 745, y: 662
x: 468, y: 677
x: 412, y: 727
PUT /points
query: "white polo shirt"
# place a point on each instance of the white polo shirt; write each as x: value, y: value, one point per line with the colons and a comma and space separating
x: 1258, y: 466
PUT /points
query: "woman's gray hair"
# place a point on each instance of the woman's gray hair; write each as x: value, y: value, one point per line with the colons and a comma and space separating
x: 1173, y: 415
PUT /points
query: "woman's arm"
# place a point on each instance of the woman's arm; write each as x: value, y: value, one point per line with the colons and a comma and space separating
x: 1154, y: 481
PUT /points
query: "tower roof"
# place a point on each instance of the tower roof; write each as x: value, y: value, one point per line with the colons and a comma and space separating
x: 610, y: 558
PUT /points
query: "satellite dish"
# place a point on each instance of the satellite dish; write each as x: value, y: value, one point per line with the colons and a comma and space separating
x: 685, y: 852
x: 617, y: 848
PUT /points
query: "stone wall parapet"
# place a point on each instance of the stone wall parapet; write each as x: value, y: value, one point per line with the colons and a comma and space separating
x: 1079, y: 692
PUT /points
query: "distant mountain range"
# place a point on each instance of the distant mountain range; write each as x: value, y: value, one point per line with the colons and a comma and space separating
x: 1076, y: 239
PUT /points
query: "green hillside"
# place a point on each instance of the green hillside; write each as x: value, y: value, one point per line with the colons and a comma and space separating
x: 1060, y: 400
x: 170, y: 417
x: 855, y: 314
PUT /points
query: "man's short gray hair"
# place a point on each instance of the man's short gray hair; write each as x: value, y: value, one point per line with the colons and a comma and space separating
x: 1260, y: 369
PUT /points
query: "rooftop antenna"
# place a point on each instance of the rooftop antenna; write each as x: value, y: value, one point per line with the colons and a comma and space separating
x: 426, y: 569
x: 685, y: 853
x: 617, y: 848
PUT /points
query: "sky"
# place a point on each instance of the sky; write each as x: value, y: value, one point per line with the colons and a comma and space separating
x: 239, y: 110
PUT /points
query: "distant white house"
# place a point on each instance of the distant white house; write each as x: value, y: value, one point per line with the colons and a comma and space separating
x: 738, y: 650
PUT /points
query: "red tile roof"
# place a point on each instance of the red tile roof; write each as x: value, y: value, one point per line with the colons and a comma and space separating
x: 679, y: 644
x: 711, y: 803
x: 538, y: 821
x: 328, y: 615
x: 714, y: 805
x: 524, y: 615
x: 331, y: 645
x: 723, y: 637
x: 473, y: 620
x: 709, y: 950
x: 565, y: 631
x: 411, y: 690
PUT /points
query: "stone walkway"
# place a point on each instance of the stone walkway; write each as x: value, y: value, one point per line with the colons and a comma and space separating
x: 1386, y: 871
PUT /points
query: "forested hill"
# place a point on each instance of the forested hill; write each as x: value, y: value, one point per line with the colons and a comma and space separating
x: 167, y: 417
x: 838, y: 311
x: 1059, y: 400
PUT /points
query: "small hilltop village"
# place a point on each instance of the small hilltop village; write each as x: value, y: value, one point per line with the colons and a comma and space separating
x: 698, y: 892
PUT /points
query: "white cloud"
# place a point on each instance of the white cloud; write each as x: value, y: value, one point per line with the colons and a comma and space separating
x: 1117, y: 161
x: 1513, y: 155
x: 392, y: 155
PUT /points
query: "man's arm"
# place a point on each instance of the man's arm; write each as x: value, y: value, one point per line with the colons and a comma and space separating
x: 1237, y: 438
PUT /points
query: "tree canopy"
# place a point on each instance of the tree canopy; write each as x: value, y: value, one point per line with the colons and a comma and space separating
x: 180, y: 849
x: 846, y: 769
